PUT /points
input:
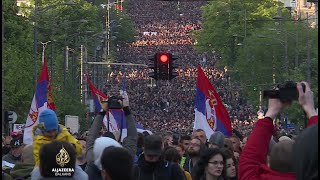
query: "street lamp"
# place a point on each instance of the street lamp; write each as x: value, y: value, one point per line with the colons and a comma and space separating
x: 36, y: 10
x: 285, y: 45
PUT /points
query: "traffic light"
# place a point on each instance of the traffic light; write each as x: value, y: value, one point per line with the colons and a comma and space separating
x: 154, y: 66
x: 9, y: 117
x: 163, y: 66
x: 163, y: 60
x: 172, y: 66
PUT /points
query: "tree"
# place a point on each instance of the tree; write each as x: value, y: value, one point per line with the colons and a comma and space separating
x: 17, y: 62
x: 227, y: 22
x: 255, y: 50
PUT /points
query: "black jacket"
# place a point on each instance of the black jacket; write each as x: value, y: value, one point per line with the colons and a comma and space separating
x: 93, y: 172
x: 162, y: 170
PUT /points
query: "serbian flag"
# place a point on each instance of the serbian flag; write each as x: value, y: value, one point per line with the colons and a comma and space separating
x: 97, y: 95
x: 42, y: 100
x: 117, y: 123
x: 210, y: 113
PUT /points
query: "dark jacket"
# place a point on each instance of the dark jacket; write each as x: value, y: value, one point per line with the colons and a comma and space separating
x: 188, y: 165
x: 253, y: 159
x: 93, y: 172
x: 129, y: 142
x: 162, y: 170
x: 305, y: 154
x: 22, y: 170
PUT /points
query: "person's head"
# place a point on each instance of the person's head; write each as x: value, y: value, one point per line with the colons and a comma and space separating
x: 280, y: 156
x: 243, y: 143
x: 180, y: 149
x: 152, y: 148
x: 83, y: 143
x: 195, y: 147
x: 211, y: 164
x: 185, y: 141
x: 172, y: 155
x: 216, y: 140
x: 27, y: 155
x: 228, y: 144
x: 99, y: 145
x: 235, y: 143
x: 6, y: 145
x: 230, y: 169
x: 305, y: 154
x: 117, y: 164
x: 201, y: 134
x: 167, y: 139
x: 16, y: 146
x: 49, y: 121
x: 57, y: 154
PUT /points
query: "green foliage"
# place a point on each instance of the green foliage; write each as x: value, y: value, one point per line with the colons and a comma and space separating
x: 255, y: 51
x: 17, y: 61
x: 224, y: 25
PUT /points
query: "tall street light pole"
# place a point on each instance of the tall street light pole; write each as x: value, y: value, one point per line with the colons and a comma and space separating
x: 308, y: 53
x: 35, y: 40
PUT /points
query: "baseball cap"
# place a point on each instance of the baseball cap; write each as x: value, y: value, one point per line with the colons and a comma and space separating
x: 153, y: 145
x: 17, y: 141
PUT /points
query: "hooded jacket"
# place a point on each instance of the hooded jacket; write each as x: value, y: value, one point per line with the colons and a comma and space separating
x: 94, y: 152
x: 157, y: 171
x: 78, y: 174
x: 305, y: 154
x: 63, y: 135
x: 253, y: 159
x: 22, y: 170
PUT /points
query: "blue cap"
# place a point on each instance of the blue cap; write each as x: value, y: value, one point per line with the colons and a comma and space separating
x: 49, y: 119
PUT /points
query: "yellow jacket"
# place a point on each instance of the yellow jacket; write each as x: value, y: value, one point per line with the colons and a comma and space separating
x: 63, y: 135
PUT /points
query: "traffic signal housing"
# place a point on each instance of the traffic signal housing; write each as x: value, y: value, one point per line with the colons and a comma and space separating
x: 163, y: 61
x: 173, y: 66
x: 163, y: 66
x: 8, y: 116
x: 154, y: 66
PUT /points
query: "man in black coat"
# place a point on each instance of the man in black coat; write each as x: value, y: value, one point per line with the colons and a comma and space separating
x: 151, y: 164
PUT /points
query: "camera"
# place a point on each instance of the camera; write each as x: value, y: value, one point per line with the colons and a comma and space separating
x: 113, y: 102
x: 285, y: 92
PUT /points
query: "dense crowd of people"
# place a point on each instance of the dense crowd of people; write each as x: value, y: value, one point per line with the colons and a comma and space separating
x: 57, y: 154
x: 165, y: 26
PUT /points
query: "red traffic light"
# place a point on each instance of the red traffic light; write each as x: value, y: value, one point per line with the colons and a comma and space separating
x: 164, y: 58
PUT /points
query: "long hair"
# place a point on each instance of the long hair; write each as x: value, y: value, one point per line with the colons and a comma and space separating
x: 228, y: 154
x: 198, y: 171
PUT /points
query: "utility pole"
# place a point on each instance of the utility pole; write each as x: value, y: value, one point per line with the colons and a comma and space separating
x: 107, y: 41
x: 308, y: 52
x: 35, y: 50
x: 65, y: 66
x: 2, y: 88
x: 81, y: 74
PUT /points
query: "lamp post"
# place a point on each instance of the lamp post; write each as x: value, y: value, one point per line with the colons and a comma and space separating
x: 108, y: 22
x: 285, y: 45
x: 280, y: 18
x: 35, y: 50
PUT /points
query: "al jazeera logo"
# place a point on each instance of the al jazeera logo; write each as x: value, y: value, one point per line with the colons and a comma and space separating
x: 63, y: 158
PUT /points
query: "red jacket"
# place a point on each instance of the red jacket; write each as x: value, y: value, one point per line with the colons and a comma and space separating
x: 253, y: 159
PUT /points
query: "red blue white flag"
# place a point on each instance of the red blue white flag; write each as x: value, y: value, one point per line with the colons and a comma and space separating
x: 210, y: 113
x: 42, y: 100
